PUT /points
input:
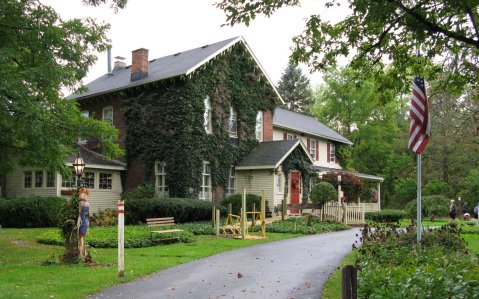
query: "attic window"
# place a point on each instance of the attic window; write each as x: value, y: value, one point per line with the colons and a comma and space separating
x: 204, y: 46
x: 177, y: 54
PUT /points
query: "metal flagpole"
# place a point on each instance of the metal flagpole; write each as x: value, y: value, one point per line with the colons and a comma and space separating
x: 419, y: 208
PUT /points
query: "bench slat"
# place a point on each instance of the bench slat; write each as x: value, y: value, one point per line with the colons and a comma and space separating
x: 164, y: 218
x: 166, y: 231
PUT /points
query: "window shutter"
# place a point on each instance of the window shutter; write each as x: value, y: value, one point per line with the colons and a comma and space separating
x: 295, y: 137
x: 285, y: 136
x: 308, y: 144
x: 317, y: 150
x: 329, y: 152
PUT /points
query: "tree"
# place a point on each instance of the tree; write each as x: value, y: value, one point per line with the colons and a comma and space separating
x: 39, y: 55
x: 295, y: 89
x: 444, y: 31
x: 323, y: 193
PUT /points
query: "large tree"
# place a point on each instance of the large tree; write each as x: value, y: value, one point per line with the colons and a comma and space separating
x: 444, y: 31
x: 41, y: 54
x: 295, y: 89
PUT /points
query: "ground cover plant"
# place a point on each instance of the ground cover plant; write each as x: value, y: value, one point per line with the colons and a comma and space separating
x: 296, y: 225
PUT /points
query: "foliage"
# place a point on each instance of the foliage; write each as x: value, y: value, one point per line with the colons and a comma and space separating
x: 40, y: 54
x: 145, y: 190
x: 437, y: 188
x: 174, y: 110
x: 392, y: 265
x: 433, y: 206
x: 376, y: 31
x: 295, y: 89
x: 32, y: 211
x: 300, y: 226
x: 298, y: 160
x: 251, y: 199
x: 107, y: 217
x: 351, y: 185
x: 386, y: 215
x: 323, y: 192
x: 406, y: 190
x: 137, y: 210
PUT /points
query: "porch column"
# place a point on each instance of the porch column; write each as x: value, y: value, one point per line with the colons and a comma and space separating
x: 379, y: 196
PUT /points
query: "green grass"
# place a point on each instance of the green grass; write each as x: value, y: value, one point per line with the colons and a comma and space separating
x: 332, y: 288
x: 24, y: 274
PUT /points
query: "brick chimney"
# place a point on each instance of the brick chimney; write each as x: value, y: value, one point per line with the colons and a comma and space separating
x: 139, y: 64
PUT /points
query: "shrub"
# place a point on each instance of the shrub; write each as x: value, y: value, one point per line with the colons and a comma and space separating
x: 141, y: 191
x: 323, y: 192
x: 30, y: 212
x: 433, y: 206
x: 106, y: 217
x: 183, y: 210
x: 437, y: 188
x: 386, y: 215
x: 300, y: 226
x: 235, y: 201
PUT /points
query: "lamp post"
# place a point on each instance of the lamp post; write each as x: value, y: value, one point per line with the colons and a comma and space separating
x: 78, y: 166
x: 339, y: 188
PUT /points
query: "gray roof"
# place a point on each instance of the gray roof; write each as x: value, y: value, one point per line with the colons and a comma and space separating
x: 179, y: 64
x: 269, y: 154
x: 305, y: 124
x: 366, y: 177
x: 93, y: 158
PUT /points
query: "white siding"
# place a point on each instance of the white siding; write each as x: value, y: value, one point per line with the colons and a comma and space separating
x: 256, y: 181
x: 15, y: 185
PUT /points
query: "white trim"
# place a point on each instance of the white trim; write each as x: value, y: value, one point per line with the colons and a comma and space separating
x: 255, y: 167
x: 103, y: 114
x: 310, y: 134
x: 99, y: 166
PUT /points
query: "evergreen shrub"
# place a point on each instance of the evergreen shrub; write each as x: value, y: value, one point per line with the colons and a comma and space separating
x: 29, y: 212
x: 433, y: 206
x: 386, y: 215
x: 235, y: 201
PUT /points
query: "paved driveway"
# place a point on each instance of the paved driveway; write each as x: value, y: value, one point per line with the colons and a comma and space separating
x: 293, y: 268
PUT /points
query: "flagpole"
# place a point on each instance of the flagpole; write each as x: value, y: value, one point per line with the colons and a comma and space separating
x: 419, y: 208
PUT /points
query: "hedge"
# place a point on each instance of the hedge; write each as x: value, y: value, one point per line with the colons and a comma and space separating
x: 386, y: 216
x: 30, y: 212
x: 182, y: 209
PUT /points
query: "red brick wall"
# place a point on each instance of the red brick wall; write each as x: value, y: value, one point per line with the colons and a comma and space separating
x: 136, y: 174
x: 268, y: 125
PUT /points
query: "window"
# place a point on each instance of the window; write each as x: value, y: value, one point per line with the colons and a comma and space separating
x: 107, y: 115
x: 27, y: 179
x: 332, y: 152
x: 231, y: 182
x: 69, y: 182
x: 207, y: 116
x: 160, y: 172
x: 259, y: 126
x: 277, y: 184
x: 290, y: 137
x: 312, y: 149
x: 38, y: 179
x: 205, y: 193
x: 105, y: 180
x: 50, y: 179
x: 233, y: 124
x: 85, y: 113
x: 89, y: 179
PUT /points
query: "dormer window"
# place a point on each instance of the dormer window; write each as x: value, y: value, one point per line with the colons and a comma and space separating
x: 233, y: 124
x: 207, y: 116
x: 259, y: 126
x: 107, y: 115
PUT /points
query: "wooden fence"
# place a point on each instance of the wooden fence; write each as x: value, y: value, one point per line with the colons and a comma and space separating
x: 353, y: 213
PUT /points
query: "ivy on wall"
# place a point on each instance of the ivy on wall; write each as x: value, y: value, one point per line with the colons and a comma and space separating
x: 165, y: 121
x: 298, y: 160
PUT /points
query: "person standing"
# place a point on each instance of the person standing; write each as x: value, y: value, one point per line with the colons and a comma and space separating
x: 452, y: 209
x: 83, y: 220
x: 465, y: 210
x: 476, y: 211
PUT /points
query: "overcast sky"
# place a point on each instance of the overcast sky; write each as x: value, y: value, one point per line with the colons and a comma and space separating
x: 166, y: 27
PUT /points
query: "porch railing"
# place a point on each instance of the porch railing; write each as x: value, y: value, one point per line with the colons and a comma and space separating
x: 353, y: 213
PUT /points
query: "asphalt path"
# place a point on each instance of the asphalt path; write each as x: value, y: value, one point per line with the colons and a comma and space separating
x: 293, y: 268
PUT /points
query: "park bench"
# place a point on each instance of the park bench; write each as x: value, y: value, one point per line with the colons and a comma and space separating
x: 153, y: 223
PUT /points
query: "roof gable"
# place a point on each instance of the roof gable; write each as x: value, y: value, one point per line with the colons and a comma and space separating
x: 305, y: 124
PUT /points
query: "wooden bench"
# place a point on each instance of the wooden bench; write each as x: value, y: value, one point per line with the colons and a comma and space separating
x: 158, y: 222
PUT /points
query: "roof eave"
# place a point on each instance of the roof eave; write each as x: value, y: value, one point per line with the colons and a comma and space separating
x: 312, y: 134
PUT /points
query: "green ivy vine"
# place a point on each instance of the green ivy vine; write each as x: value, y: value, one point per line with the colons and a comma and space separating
x: 165, y: 121
x: 298, y: 160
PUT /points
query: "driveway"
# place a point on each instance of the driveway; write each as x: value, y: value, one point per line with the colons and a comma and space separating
x: 293, y: 268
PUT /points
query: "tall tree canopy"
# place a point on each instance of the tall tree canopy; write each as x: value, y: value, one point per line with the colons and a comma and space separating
x: 446, y: 30
x: 295, y: 89
x: 39, y: 55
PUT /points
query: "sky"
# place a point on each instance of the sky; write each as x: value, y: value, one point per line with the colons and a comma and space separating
x: 165, y: 27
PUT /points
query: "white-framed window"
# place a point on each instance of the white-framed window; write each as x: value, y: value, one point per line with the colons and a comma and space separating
x: 278, y: 183
x: 107, y: 114
x: 312, y: 148
x: 207, y: 116
x: 89, y: 179
x: 27, y: 179
x: 233, y: 123
x: 50, y: 179
x: 205, y: 193
x: 39, y: 179
x: 160, y: 182
x: 85, y: 113
x: 290, y: 137
x: 259, y: 126
x: 231, y: 189
x: 332, y: 153
x: 106, y: 181
x: 69, y: 182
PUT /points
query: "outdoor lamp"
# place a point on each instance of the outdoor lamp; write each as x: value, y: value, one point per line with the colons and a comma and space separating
x: 78, y: 166
x: 339, y: 179
x: 320, y: 176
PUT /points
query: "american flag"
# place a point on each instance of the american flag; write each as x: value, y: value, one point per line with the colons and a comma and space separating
x: 420, y: 129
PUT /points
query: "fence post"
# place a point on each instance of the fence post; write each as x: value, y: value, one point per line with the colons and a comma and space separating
x: 213, y: 216
x: 284, y: 209
x: 121, y: 238
x: 243, y: 215
x: 217, y: 222
x: 230, y: 209
x: 349, y: 282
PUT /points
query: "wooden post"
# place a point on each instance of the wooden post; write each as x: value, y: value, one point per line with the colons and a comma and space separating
x: 121, y: 238
x: 254, y: 215
x: 243, y: 215
x: 213, y: 216
x: 230, y: 208
x: 217, y: 224
x: 350, y: 283
x: 284, y: 208
x: 263, y: 214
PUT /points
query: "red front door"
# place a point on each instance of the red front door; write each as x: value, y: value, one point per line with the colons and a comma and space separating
x: 294, y: 187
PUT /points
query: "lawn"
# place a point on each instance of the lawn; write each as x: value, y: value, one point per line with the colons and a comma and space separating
x: 29, y: 268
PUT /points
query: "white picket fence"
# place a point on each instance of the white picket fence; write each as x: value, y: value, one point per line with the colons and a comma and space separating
x: 354, y: 213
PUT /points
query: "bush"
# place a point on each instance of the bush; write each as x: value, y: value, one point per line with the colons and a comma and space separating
x: 386, y: 216
x: 235, y: 201
x: 183, y: 210
x: 436, y: 188
x: 300, y: 226
x: 323, y: 192
x: 30, y: 212
x: 433, y: 206
x: 106, y: 217
x: 141, y: 191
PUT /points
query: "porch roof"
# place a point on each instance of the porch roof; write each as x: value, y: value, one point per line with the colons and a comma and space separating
x: 366, y: 177
x: 96, y: 160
